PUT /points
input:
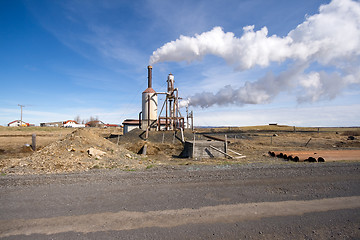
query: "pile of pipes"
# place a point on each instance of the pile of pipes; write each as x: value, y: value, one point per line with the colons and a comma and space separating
x: 297, y: 156
x: 319, y: 155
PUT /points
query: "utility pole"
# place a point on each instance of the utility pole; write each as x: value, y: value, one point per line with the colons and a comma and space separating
x: 187, y: 116
x: 21, y: 107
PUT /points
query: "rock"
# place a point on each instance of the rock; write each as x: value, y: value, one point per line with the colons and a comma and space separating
x: 27, y: 148
x: 95, y: 152
x: 128, y: 155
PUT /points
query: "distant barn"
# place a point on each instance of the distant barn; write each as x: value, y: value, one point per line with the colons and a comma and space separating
x: 95, y: 123
x: 18, y: 123
x: 52, y: 124
x: 73, y: 124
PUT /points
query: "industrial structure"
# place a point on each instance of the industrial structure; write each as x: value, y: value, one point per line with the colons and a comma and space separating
x: 170, y: 117
x: 148, y: 116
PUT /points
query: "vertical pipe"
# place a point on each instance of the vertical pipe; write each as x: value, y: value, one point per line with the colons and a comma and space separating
x: 177, y: 108
x: 173, y: 114
x: 140, y: 119
x: 149, y: 76
x: 148, y: 110
x: 166, y: 119
x: 144, y: 149
x: 182, y: 135
x: 170, y: 112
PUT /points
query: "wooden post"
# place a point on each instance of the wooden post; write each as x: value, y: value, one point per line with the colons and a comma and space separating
x: 193, y: 150
x: 162, y: 141
x: 225, y: 144
x: 118, y: 138
x: 307, y: 142
x: 33, y: 145
x: 227, y: 155
x: 239, y: 154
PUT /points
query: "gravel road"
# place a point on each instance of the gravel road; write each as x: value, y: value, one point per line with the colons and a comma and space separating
x: 249, y: 201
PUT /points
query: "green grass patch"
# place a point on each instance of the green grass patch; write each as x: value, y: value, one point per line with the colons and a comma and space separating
x: 149, y: 166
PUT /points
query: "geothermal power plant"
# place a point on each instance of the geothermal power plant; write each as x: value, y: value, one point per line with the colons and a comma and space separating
x: 169, y: 117
x: 161, y: 121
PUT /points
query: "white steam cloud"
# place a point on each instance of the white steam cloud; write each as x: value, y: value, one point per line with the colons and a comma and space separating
x: 330, y: 39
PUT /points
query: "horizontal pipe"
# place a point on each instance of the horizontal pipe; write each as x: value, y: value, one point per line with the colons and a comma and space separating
x: 297, y: 156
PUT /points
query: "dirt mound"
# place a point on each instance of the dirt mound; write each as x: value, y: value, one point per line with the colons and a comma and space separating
x: 160, y: 144
x: 155, y: 149
x: 80, y: 150
x: 172, y: 137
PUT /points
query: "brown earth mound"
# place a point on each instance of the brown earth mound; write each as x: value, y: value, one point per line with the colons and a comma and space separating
x: 81, y: 150
x: 160, y: 144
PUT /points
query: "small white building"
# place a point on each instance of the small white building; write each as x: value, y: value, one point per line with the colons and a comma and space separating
x: 130, y: 124
x: 18, y: 123
x: 73, y: 124
x: 52, y: 124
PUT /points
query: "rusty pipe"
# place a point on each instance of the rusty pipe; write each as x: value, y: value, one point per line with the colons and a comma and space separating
x: 140, y: 119
x: 149, y: 76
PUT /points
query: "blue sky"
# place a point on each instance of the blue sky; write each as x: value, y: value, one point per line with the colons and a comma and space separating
x: 63, y: 59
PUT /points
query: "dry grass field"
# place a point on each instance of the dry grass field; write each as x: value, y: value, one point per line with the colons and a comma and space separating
x: 66, y: 149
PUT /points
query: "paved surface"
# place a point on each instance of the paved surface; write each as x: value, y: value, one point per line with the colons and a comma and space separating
x: 252, y: 201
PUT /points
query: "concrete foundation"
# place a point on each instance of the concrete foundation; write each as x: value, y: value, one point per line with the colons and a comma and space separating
x: 153, y: 126
x: 202, y: 149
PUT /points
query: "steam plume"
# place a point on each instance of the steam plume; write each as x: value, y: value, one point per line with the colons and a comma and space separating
x: 330, y: 38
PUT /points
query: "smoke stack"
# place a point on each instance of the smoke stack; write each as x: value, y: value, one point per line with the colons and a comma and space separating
x: 149, y: 76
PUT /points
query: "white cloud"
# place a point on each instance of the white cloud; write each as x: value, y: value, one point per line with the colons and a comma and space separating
x: 330, y: 39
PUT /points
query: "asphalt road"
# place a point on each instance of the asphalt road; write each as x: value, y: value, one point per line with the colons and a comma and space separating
x: 250, y: 201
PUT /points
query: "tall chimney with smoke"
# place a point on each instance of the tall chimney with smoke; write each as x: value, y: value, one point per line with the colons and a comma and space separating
x: 149, y: 105
x: 149, y: 76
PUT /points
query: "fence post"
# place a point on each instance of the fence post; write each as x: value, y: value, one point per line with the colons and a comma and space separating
x: 33, y: 145
x: 226, y: 144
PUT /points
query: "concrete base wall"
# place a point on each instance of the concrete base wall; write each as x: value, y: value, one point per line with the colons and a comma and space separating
x: 202, y: 149
x: 144, y: 125
x: 128, y: 128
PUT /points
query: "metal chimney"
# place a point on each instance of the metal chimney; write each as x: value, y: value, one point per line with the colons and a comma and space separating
x: 149, y: 76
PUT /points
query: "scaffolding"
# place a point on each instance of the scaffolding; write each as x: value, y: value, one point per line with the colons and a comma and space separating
x: 173, y: 119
